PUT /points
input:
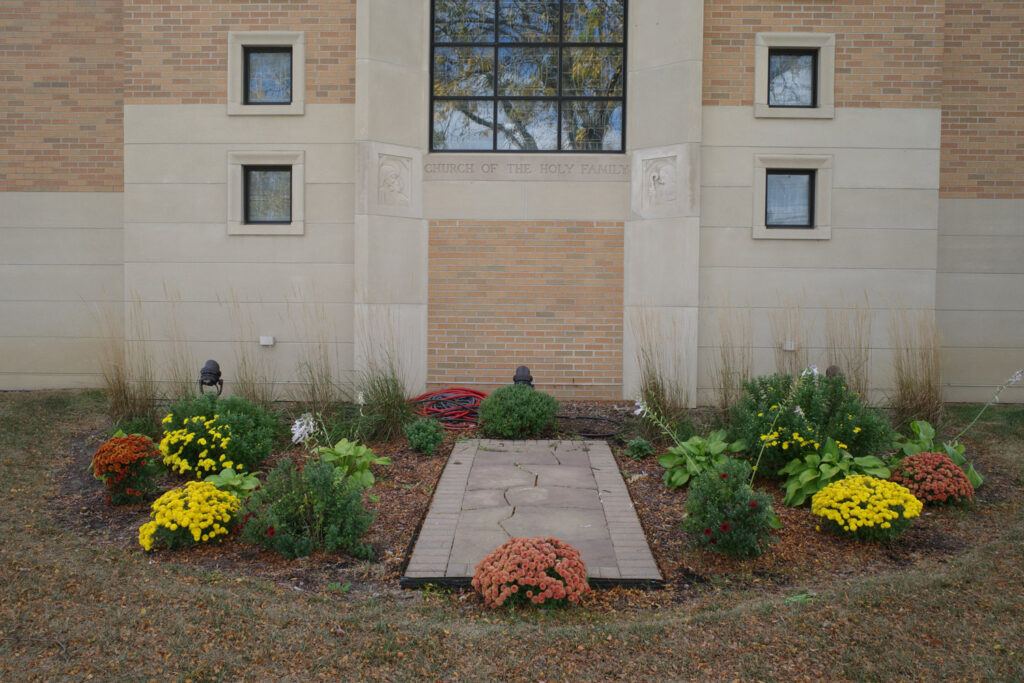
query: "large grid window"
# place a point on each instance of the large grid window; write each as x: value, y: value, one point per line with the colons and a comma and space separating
x: 528, y: 75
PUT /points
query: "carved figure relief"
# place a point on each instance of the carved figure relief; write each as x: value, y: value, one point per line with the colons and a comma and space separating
x: 393, y: 180
x: 659, y: 183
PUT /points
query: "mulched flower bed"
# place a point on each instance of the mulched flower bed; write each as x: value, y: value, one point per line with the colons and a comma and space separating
x: 402, y: 494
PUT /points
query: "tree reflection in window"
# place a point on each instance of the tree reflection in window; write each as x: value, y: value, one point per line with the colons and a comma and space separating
x: 268, y: 194
x: 792, y: 78
x: 528, y: 75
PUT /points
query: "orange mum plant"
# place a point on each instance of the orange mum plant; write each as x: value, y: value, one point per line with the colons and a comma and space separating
x: 126, y: 464
x: 933, y: 478
x: 537, y: 570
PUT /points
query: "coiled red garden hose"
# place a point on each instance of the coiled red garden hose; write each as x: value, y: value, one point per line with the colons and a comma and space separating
x: 455, y: 407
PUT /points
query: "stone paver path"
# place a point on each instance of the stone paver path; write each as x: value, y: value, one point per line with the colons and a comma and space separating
x: 491, y: 491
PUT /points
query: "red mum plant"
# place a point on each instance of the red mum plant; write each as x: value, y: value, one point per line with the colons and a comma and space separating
x: 933, y: 478
x: 537, y: 570
x: 126, y: 464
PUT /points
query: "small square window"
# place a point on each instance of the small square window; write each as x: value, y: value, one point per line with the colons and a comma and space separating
x: 268, y: 75
x: 792, y: 78
x: 267, y: 194
x: 789, y: 198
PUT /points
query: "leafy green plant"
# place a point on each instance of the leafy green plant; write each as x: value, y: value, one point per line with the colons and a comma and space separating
x: 923, y: 441
x: 517, y: 411
x: 296, y: 512
x: 814, y: 470
x: 639, y: 448
x: 724, y: 514
x: 786, y: 416
x: 694, y: 456
x: 352, y: 460
x: 240, y: 484
x: 424, y: 435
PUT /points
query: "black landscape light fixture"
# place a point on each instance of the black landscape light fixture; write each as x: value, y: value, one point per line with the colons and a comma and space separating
x: 209, y: 376
x: 523, y: 376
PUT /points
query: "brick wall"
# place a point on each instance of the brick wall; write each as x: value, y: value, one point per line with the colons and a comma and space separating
x: 177, y: 50
x: 888, y: 52
x: 983, y: 100
x: 60, y: 113
x: 546, y: 294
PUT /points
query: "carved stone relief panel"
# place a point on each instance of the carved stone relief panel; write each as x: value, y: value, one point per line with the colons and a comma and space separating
x: 659, y: 182
x: 394, y: 180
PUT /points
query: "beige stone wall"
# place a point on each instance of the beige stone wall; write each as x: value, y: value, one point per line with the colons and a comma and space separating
x: 980, y: 296
x: 61, y: 277
x: 883, y: 245
x: 212, y: 294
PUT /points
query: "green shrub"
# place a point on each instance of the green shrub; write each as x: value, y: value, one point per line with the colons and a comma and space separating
x: 724, y: 514
x: 244, y: 435
x: 639, y: 448
x: 788, y: 419
x: 424, y: 435
x: 296, y: 512
x: 517, y: 411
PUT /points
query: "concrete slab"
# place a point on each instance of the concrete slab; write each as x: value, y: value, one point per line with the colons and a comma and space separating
x: 493, y: 490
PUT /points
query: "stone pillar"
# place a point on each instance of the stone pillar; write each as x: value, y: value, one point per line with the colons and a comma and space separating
x: 662, y: 238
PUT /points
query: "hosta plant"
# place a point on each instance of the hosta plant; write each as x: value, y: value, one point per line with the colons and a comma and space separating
x: 694, y: 456
x: 724, y: 514
x: 194, y: 513
x: 923, y: 440
x: 535, y: 570
x: 933, y: 478
x: 815, y: 470
x: 866, y: 507
x: 352, y: 460
x: 239, y: 483
x: 639, y: 448
x: 127, y: 464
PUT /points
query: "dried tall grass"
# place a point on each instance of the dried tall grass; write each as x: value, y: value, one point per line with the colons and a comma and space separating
x: 848, y: 343
x: 380, y: 383
x: 788, y: 337
x: 662, y: 366
x: 254, y: 372
x: 735, y: 356
x: 180, y: 366
x: 125, y: 364
x: 320, y: 386
x: 917, y: 393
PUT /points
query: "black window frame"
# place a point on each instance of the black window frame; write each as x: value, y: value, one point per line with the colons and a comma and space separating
x: 267, y: 49
x: 558, y: 99
x: 246, y: 170
x: 813, y: 52
x: 812, y: 175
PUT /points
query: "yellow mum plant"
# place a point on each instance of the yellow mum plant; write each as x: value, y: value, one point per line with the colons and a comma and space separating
x: 866, y: 507
x: 195, y: 513
x: 198, y: 447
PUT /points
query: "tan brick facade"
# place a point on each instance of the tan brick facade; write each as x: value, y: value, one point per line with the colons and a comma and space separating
x: 888, y: 53
x: 546, y: 294
x: 983, y: 100
x: 177, y: 51
x: 61, y: 111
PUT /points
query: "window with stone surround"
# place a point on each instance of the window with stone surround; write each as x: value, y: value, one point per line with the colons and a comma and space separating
x: 266, y: 73
x: 528, y: 75
x: 794, y: 75
x: 266, y: 193
x: 792, y: 197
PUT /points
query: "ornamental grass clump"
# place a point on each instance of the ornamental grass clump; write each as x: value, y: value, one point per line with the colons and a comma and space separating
x: 127, y: 465
x: 531, y: 570
x: 195, y: 513
x: 933, y: 478
x: 724, y: 514
x: 866, y: 507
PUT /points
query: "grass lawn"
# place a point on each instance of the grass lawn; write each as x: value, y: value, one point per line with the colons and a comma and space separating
x: 72, y: 607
